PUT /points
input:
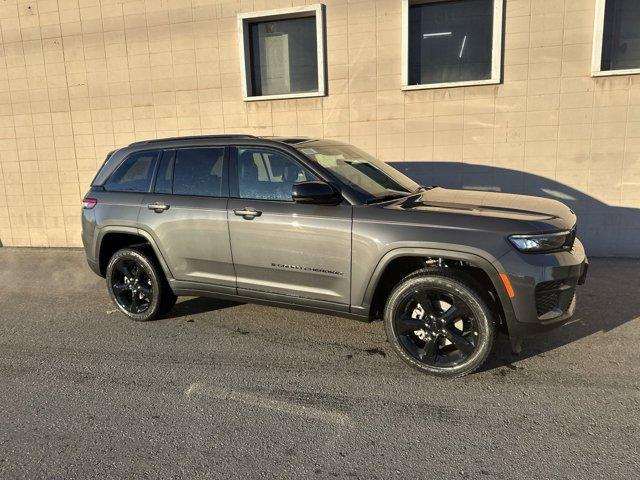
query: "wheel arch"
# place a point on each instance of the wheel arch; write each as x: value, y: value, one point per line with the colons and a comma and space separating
x: 398, y: 263
x: 113, y: 238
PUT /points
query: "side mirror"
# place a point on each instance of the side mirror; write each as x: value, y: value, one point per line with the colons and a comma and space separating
x: 315, y: 192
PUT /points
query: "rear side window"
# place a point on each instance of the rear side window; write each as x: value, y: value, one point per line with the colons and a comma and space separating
x: 198, y: 171
x: 134, y: 174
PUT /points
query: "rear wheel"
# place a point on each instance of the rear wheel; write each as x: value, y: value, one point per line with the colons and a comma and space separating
x: 137, y: 285
x: 438, y: 322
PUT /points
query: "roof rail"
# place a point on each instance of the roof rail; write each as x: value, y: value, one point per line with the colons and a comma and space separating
x: 193, y: 137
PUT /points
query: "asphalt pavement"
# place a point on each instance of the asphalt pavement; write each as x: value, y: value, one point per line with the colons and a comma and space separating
x: 222, y: 390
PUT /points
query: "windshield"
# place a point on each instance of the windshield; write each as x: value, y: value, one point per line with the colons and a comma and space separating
x: 360, y: 170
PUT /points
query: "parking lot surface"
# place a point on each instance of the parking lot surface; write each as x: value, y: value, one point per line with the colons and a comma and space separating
x: 243, y: 391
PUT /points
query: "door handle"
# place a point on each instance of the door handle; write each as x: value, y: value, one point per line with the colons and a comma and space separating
x: 248, y: 213
x: 158, y: 207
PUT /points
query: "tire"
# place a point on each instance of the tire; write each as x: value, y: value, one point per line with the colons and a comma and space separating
x: 137, y: 285
x: 429, y: 334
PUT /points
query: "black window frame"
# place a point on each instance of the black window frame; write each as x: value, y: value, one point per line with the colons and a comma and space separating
x: 172, y: 157
x: 224, y: 185
x: 154, y: 168
x: 234, y: 191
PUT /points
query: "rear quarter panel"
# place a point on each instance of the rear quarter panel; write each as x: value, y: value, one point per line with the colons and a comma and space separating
x: 114, y: 209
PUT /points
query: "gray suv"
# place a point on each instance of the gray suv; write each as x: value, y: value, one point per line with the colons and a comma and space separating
x: 321, y: 226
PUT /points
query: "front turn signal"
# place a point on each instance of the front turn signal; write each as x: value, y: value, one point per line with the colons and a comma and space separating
x: 507, y: 285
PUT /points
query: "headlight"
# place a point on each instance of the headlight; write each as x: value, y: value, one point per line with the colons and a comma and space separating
x: 546, y: 242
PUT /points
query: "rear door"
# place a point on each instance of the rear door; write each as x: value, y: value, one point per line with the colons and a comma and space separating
x: 281, y: 247
x: 186, y: 214
x: 120, y: 196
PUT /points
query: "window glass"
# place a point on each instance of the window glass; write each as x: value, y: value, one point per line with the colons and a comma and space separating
x: 134, y: 175
x: 621, y: 40
x: 283, y: 56
x: 266, y: 175
x: 450, y: 41
x: 198, y: 171
x: 358, y: 169
x: 165, y: 174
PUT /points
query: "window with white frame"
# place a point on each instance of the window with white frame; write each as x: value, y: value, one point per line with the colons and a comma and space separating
x: 616, y: 44
x: 282, y: 53
x: 451, y: 43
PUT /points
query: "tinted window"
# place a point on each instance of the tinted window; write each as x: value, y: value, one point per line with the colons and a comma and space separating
x: 198, y: 171
x: 134, y: 175
x: 450, y: 41
x: 284, y: 56
x: 266, y: 175
x: 621, y: 41
x: 165, y: 173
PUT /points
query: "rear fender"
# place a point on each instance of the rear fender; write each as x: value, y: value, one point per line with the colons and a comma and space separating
x: 133, y: 231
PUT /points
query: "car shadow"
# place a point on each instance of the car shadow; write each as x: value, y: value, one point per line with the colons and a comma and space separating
x: 609, y: 299
x: 196, y: 305
x: 605, y: 230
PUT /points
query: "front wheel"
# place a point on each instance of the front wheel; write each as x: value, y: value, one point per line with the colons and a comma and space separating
x: 437, y: 321
x: 137, y: 286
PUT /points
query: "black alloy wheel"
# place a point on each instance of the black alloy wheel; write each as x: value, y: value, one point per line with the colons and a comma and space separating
x: 438, y: 321
x: 137, y: 284
x: 132, y: 286
x: 437, y: 327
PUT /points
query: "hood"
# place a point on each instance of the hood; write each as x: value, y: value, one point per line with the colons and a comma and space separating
x: 542, y: 213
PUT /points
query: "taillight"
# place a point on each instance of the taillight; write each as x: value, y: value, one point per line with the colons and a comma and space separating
x: 89, y: 203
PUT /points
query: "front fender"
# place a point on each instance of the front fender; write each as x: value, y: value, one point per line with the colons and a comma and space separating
x: 486, y: 263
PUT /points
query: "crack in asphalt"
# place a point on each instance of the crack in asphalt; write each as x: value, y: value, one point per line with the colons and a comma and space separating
x: 264, y: 401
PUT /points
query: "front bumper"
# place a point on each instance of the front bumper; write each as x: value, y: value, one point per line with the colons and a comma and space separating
x: 544, y: 288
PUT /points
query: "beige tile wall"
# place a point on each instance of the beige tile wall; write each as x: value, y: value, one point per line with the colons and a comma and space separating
x: 81, y: 77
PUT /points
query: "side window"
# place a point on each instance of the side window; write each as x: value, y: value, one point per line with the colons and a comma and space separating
x: 199, y: 171
x: 268, y: 175
x: 165, y: 173
x: 134, y: 174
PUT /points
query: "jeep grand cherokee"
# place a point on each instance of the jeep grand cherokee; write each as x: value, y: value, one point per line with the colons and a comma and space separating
x: 321, y: 226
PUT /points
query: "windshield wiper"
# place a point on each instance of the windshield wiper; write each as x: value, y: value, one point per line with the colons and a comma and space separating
x: 387, y: 196
x: 424, y: 188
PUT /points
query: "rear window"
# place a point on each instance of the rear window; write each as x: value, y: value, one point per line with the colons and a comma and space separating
x: 198, y: 171
x: 102, y: 167
x: 135, y: 173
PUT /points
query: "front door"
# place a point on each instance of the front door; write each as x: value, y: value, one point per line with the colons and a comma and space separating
x: 280, y: 247
x: 186, y: 214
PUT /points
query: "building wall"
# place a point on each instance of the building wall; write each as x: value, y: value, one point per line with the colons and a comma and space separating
x: 79, y: 78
